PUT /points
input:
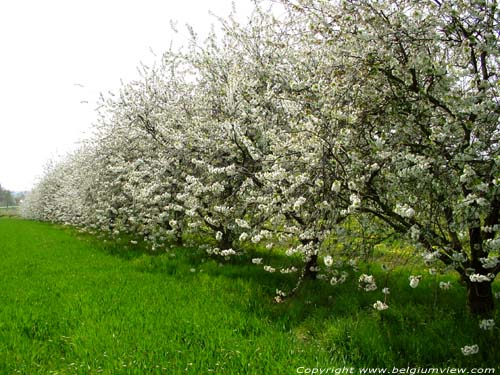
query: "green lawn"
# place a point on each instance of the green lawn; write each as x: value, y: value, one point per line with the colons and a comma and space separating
x: 74, y: 304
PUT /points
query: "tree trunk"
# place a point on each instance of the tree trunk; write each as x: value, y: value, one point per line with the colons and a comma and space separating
x: 111, y: 221
x: 178, y: 238
x: 312, y: 263
x: 226, y: 242
x: 480, y: 298
x: 480, y: 295
x: 179, y: 217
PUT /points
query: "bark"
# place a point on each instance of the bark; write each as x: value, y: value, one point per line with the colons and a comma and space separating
x: 480, y: 295
x: 226, y: 242
x: 480, y: 299
x: 178, y: 238
x: 311, y: 263
x: 179, y: 217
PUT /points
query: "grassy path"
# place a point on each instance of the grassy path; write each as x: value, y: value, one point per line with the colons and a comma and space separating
x: 72, y: 304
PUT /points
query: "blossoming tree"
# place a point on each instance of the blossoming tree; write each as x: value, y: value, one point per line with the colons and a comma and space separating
x: 414, y: 106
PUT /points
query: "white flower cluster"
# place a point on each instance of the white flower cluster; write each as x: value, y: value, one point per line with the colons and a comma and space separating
x: 493, y: 244
x: 470, y: 350
x: 338, y: 278
x: 289, y: 270
x: 445, y: 285
x: 257, y: 260
x: 242, y: 223
x: 227, y: 252
x: 487, y: 324
x: 489, y: 262
x: 367, y: 283
x: 355, y: 200
x: 404, y: 210
x: 299, y: 202
x: 414, y: 280
x: 280, y: 296
x: 269, y: 269
x: 380, y: 306
x: 328, y: 260
x: 430, y: 257
x: 336, y: 186
x: 478, y: 278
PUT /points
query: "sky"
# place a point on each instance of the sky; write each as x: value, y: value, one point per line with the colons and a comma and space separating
x: 58, y: 55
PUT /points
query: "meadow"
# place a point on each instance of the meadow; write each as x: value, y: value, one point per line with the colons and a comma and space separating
x: 73, y: 303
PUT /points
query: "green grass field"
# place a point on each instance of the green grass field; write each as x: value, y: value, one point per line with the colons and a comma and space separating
x: 74, y: 304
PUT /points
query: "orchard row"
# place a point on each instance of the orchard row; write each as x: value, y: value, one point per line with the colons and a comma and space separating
x: 282, y: 130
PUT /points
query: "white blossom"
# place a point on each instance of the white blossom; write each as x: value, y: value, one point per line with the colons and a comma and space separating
x: 257, y: 238
x: 227, y: 252
x: 380, y: 306
x: 328, y: 260
x: 478, y: 278
x: 445, y: 285
x: 367, y: 283
x: 470, y: 350
x: 490, y: 262
x: 414, y: 280
x: 404, y: 210
x: 336, y: 186
x: 298, y: 203
x: 487, y: 324
x: 242, y: 223
x: 269, y: 269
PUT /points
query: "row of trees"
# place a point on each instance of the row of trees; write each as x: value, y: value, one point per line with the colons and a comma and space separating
x: 6, y: 198
x: 285, y: 129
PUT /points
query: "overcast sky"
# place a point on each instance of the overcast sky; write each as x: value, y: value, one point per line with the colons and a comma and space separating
x: 58, y: 55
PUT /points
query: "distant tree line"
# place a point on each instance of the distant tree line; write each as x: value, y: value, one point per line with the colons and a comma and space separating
x: 7, y: 198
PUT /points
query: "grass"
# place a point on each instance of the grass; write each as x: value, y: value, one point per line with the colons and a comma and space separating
x: 73, y: 304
